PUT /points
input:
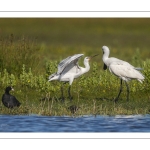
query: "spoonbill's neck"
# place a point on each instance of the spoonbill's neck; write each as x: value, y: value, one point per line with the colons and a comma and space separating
x: 106, y: 53
x: 87, y: 66
x: 105, y: 57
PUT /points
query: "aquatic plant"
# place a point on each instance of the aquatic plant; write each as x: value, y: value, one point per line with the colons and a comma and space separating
x: 29, y: 55
x: 15, y: 52
x: 93, y: 93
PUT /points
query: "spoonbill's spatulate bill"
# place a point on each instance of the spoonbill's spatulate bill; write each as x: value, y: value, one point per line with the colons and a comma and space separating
x: 68, y: 70
x: 121, y: 69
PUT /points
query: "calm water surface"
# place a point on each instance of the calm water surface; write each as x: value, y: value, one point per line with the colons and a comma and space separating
x: 35, y: 123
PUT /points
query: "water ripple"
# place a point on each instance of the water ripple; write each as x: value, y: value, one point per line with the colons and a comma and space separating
x: 35, y: 123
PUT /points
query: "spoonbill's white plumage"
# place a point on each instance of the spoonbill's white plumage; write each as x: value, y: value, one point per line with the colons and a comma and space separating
x: 68, y: 70
x: 121, y: 69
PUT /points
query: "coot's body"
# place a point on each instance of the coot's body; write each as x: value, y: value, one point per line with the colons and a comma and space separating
x: 9, y: 100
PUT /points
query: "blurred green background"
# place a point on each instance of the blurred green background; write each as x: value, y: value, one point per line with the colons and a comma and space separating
x: 60, y: 37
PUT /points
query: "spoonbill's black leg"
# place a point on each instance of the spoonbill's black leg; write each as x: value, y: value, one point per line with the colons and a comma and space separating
x: 128, y: 92
x: 62, y: 93
x: 70, y: 97
x: 116, y: 99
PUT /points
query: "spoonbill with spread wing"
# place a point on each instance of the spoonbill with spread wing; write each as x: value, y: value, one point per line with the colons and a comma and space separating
x: 121, y: 69
x: 68, y: 70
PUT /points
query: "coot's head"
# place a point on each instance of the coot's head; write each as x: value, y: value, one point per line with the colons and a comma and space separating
x: 9, y: 88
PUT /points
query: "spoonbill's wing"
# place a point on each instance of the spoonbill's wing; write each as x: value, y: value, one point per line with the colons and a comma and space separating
x: 126, y: 72
x: 68, y: 62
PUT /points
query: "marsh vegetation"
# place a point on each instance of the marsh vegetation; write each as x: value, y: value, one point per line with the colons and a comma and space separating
x: 31, y: 49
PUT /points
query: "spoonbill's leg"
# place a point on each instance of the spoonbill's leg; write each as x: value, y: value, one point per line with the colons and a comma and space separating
x: 127, y: 91
x: 70, y: 97
x: 116, y: 99
x: 62, y: 93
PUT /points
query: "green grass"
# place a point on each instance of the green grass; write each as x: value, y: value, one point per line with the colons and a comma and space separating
x: 31, y: 49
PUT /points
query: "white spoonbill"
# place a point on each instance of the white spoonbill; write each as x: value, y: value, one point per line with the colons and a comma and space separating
x: 121, y: 69
x: 68, y: 70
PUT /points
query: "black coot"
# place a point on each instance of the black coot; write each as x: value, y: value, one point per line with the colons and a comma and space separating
x: 9, y: 100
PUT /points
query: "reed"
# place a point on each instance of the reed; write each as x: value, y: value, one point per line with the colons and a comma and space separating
x: 26, y: 63
x: 93, y: 93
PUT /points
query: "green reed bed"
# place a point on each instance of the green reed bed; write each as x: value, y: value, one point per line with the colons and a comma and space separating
x: 31, y: 49
x: 93, y: 93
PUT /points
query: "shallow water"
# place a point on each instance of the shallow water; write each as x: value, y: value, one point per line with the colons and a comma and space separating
x: 35, y: 123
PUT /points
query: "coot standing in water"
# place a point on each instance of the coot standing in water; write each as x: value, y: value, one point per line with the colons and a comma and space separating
x: 9, y: 100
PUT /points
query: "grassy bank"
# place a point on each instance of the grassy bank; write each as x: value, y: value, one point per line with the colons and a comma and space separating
x: 93, y: 93
x: 31, y: 49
